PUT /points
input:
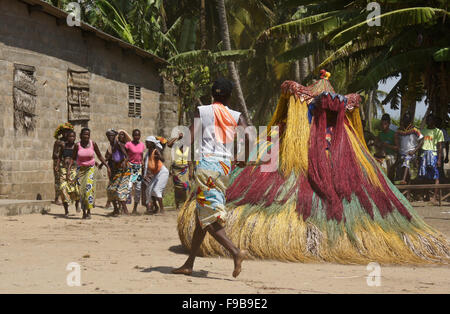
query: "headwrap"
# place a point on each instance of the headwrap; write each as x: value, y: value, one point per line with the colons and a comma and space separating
x: 61, y: 128
x: 111, y: 132
x: 161, y: 139
x: 153, y: 139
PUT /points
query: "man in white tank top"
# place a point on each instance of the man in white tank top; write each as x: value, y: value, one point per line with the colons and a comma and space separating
x: 218, y: 124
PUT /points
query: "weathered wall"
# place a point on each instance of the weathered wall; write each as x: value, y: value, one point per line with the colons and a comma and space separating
x: 35, y: 39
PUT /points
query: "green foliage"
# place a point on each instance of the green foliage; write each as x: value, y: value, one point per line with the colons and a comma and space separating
x: 412, y: 42
x: 442, y: 55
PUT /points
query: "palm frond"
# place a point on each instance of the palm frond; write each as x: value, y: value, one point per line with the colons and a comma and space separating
x: 117, y: 22
x: 394, y: 95
x: 391, y: 20
x: 233, y: 55
x: 302, y: 51
x: 442, y: 55
x: 189, y: 58
x: 395, y: 64
x: 302, y: 26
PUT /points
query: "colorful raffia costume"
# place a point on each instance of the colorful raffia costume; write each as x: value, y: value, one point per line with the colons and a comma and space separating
x: 328, y: 201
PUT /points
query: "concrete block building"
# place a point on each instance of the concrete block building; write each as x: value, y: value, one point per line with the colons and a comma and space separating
x: 51, y: 73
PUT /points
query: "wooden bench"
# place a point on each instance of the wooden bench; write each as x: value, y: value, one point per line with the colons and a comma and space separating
x: 426, y: 187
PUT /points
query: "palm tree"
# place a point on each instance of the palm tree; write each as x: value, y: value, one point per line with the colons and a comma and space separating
x: 263, y: 73
x: 231, y: 66
x: 412, y: 41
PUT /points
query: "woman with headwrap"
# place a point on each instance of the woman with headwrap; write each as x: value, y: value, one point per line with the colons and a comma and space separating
x: 155, y: 175
x: 60, y: 138
x: 68, y: 188
x: 120, y: 174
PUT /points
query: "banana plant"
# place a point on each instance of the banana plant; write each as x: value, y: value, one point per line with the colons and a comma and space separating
x: 412, y: 37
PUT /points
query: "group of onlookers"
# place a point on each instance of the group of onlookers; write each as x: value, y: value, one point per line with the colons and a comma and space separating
x: 409, y: 154
x: 133, y: 172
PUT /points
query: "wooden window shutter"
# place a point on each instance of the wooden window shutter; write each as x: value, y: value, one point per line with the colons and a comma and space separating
x: 131, y: 101
x: 134, y: 101
x: 137, y: 102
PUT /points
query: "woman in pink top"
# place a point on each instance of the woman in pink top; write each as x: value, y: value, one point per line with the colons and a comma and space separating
x: 84, y: 154
x: 135, y: 151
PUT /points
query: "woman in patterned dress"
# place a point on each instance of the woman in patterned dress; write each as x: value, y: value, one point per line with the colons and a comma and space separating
x: 68, y: 187
x: 120, y: 174
x: 84, y: 155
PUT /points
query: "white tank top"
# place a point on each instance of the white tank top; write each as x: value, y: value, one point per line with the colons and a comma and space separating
x: 218, y: 128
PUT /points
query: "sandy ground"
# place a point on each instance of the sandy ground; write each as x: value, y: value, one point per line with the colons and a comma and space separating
x: 136, y: 255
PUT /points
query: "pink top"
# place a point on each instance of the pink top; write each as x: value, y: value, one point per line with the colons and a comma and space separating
x: 86, y: 156
x: 135, y: 152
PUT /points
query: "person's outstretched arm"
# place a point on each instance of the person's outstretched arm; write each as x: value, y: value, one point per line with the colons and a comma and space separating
x: 173, y: 140
x: 100, y: 156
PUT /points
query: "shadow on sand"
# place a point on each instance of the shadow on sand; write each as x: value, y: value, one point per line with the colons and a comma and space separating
x: 168, y: 270
x: 72, y: 216
x: 179, y: 249
x: 196, y: 274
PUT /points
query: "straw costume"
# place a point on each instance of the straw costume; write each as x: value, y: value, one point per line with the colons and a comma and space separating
x: 329, y: 200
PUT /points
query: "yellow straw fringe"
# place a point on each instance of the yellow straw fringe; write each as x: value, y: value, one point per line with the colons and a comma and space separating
x: 355, y: 121
x: 294, y: 146
x: 285, y: 236
x: 281, y: 110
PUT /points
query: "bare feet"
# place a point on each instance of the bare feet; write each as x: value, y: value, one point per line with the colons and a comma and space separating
x: 183, y: 270
x: 238, y: 259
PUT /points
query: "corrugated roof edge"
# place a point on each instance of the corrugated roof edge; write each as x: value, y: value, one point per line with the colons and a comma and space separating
x: 60, y: 14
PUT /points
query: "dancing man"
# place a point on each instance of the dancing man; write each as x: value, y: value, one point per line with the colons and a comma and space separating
x: 218, y: 124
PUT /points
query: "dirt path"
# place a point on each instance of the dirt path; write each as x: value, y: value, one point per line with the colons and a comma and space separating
x: 136, y: 255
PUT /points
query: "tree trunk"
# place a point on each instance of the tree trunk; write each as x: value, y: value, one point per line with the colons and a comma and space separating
x: 296, y: 65
x: 444, y: 92
x: 203, y: 24
x: 409, y: 96
x: 310, y: 58
x: 424, y: 119
x: 303, y: 63
x: 301, y: 66
x: 225, y: 34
